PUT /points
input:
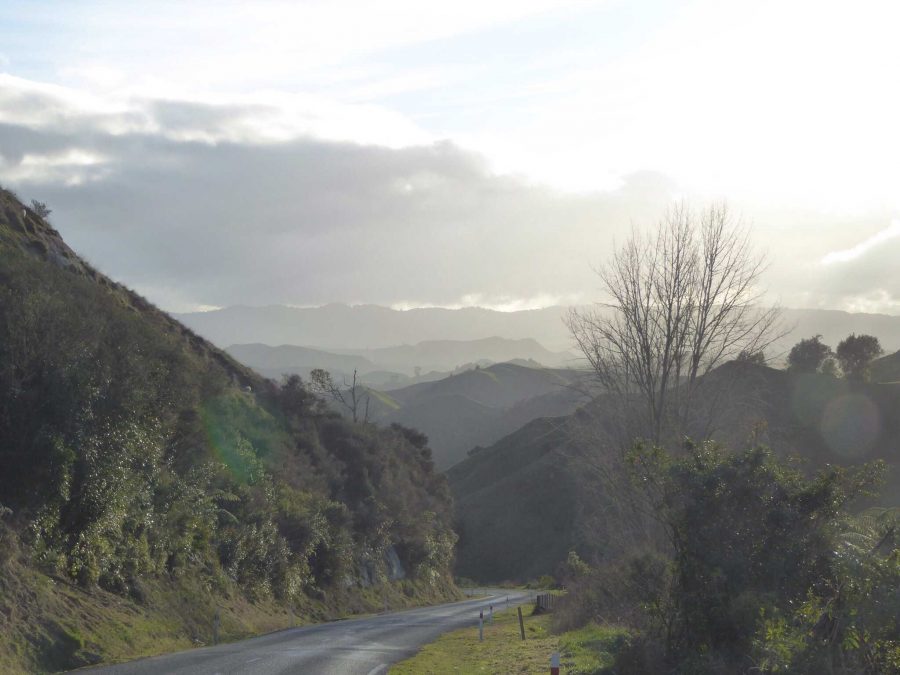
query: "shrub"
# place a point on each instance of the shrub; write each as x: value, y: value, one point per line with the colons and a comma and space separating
x: 750, y: 538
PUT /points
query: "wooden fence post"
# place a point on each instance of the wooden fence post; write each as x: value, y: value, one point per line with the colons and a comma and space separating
x: 521, y: 623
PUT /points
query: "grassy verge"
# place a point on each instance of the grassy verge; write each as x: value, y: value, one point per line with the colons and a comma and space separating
x: 585, y: 651
x: 48, y: 624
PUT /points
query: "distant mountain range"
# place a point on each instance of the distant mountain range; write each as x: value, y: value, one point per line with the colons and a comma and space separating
x: 361, y: 329
x: 393, y: 367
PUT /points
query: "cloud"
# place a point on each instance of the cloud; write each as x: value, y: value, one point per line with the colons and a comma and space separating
x: 263, y: 117
x: 181, y: 201
x: 297, y: 199
x: 862, y: 277
x: 846, y: 255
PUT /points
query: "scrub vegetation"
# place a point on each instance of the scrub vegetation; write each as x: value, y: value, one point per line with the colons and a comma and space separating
x: 144, y: 471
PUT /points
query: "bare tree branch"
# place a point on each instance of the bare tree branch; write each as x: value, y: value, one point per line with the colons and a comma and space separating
x: 683, y: 301
x: 352, y: 396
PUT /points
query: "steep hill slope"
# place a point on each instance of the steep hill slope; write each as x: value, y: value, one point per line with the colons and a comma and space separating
x: 527, y: 500
x: 149, y: 483
x: 516, y: 504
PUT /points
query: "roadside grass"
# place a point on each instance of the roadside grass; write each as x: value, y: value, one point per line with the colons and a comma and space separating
x: 48, y: 624
x: 591, y: 649
x: 587, y: 651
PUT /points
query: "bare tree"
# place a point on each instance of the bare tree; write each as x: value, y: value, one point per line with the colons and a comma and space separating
x: 682, y: 302
x: 353, y: 395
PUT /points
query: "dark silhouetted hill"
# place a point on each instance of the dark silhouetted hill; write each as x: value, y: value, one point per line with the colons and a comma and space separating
x: 478, y: 406
x: 886, y: 369
x: 528, y: 499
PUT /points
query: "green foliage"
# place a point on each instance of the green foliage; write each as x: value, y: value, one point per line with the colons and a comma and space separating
x: 574, y: 568
x: 751, y: 540
x: 808, y: 355
x: 851, y: 624
x: 856, y: 353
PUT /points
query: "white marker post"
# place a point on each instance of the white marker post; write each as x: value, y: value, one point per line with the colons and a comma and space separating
x: 491, y: 616
x: 480, y: 629
x: 554, y: 663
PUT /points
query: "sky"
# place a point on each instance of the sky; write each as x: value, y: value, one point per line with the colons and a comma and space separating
x: 411, y: 153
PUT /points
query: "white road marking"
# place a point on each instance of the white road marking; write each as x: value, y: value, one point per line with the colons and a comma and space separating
x: 377, y: 669
x: 258, y: 658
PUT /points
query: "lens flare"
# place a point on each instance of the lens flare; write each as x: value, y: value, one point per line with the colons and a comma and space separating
x: 850, y: 425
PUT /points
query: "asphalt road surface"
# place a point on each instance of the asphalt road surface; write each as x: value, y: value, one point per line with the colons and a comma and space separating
x: 366, y: 646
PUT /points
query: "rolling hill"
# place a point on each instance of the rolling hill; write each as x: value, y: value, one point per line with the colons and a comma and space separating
x: 273, y: 362
x: 448, y: 355
x: 524, y: 502
x: 395, y: 366
x: 476, y: 407
x: 459, y: 411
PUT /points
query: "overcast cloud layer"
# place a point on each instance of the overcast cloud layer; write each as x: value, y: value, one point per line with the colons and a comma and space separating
x: 408, y: 185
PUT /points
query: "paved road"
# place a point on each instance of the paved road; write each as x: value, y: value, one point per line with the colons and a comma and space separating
x: 353, y: 647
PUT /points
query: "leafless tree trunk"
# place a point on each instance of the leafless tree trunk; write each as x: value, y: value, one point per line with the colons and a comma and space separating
x: 682, y: 302
x: 352, y: 395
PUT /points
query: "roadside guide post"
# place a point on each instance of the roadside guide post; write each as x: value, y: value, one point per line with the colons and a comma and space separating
x: 491, y: 616
x: 554, y: 663
x: 481, y: 627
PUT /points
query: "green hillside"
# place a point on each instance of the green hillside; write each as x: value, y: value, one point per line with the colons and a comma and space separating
x: 149, y: 483
x: 516, y: 505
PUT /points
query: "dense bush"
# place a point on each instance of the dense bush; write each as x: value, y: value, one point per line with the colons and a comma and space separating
x: 763, y: 570
x: 130, y: 447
